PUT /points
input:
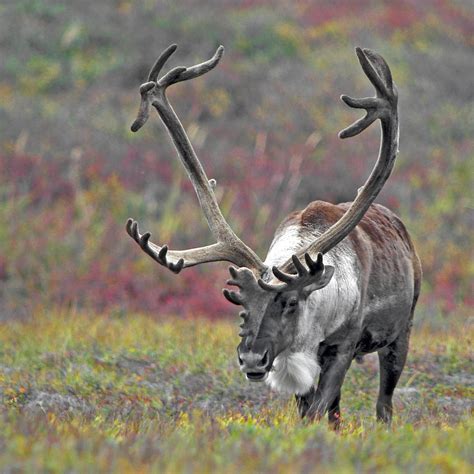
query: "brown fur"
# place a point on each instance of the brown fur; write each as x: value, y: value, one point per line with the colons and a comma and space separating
x: 379, y: 226
x: 380, y: 241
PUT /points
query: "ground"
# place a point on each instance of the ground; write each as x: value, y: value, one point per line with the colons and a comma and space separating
x: 84, y: 393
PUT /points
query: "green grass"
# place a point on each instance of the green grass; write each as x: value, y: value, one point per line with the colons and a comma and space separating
x: 85, y: 393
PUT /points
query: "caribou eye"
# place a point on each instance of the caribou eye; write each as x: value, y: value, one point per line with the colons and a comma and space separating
x: 292, y: 301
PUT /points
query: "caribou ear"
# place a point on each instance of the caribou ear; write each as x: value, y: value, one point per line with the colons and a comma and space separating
x: 321, y: 282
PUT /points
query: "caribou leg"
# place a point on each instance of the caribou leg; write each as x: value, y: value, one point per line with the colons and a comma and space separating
x: 336, y: 362
x: 304, y: 402
x: 334, y: 413
x: 391, y: 362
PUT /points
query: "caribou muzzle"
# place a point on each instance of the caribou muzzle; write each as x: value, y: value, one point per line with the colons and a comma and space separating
x: 255, y: 362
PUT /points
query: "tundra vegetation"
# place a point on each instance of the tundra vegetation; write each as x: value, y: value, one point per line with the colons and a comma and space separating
x: 109, y: 362
x: 83, y: 393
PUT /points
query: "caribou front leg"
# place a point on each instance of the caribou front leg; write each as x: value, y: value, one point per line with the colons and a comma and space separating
x: 335, y: 363
x: 334, y: 413
x: 304, y: 402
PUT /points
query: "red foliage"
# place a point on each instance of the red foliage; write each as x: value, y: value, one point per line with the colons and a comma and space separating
x: 388, y: 16
x: 52, y: 256
x: 62, y: 253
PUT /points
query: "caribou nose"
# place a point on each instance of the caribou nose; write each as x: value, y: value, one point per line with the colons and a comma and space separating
x: 254, y: 364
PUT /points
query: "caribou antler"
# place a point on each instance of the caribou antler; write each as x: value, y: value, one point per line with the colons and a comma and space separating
x: 228, y: 246
x: 384, y: 107
x: 250, y: 296
x: 307, y: 280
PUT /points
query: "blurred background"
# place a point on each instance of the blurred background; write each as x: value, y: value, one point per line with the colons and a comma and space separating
x: 264, y: 124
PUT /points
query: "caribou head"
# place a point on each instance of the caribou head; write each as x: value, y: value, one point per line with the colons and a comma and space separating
x: 270, y: 316
x: 319, y: 299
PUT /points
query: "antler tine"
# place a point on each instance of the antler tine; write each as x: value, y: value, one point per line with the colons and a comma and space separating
x: 160, y: 254
x: 232, y: 296
x: 160, y: 62
x: 368, y: 66
x: 359, y: 125
x: 300, y: 268
x: 384, y: 107
x: 378, y: 72
x: 272, y: 288
x: 228, y: 246
x: 144, y: 110
x: 365, y: 103
x: 250, y: 296
x: 206, y: 66
x: 287, y: 280
x: 176, y: 260
x: 171, y: 76
x: 180, y: 74
x: 305, y: 277
x: 314, y: 266
x: 282, y: 276
x: 368, y: 103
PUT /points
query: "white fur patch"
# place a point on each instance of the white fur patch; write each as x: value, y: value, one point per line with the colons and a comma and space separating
x: 284, y: 245
x: 293, y: 373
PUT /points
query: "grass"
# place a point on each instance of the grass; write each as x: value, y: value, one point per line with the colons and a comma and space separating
x: 86, y: 393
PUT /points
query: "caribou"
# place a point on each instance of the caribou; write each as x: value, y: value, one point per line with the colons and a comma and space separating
x: 339, y: 280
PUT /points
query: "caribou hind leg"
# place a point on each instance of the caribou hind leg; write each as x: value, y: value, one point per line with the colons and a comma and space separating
x: 391, y: 361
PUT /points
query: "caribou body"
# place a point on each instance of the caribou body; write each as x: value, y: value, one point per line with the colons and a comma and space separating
x: 367, y: 306
x: 354, y: 294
